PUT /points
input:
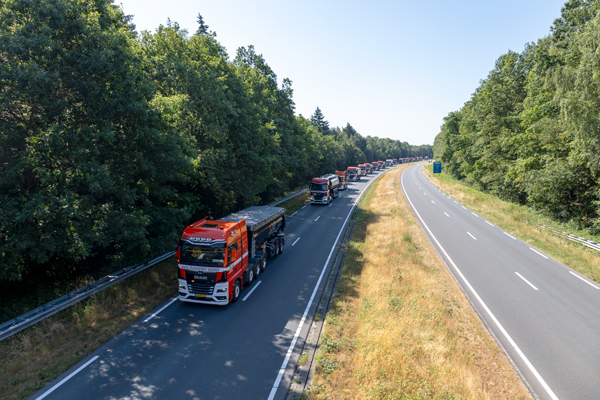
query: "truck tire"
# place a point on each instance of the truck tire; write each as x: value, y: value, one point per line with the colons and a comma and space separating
x: 250, y: 275
x: 263, y: 264
x: 257, y: 270
x: 237, y: 290
x: 281, y: 246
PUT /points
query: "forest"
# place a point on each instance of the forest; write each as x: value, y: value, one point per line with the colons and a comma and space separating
x: 530, y: 133
x: 112, y: 140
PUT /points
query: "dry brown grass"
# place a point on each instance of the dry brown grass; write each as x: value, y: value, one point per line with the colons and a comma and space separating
x: 39, y: 354
x: 399, y: 326
x: 523, y: 223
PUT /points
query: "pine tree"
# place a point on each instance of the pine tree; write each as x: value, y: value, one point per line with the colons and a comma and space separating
x: 319, y: 120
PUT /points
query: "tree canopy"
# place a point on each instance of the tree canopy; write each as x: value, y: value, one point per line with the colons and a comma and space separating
x: 531, y: 131
x: 112, y: 141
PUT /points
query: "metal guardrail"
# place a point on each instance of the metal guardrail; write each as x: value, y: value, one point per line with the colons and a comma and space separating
x: 36, y: 315
x: 586, y: 242
x: 291, y: 196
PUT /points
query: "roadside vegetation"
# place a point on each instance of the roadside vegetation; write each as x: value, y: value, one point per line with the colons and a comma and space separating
x: 399, y: 327
x: 525, y: 223
x: 39, y: 354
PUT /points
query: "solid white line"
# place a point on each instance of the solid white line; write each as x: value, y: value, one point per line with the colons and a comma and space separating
x: 295, y: 241
x: 317, y: 217
x: 489, y: 223
x: 158, y: 312
x: 510, y: 236
x: 446, y: 214
x: 535, y: 251
x: 253, y: 289
x: 583, y: 279
x: 485, y: 307
x: 526, y: 281
x: 68, y: 377
x: 471, y: 236
x: 314, y: 293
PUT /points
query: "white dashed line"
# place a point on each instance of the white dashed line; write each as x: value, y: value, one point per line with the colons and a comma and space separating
x: 526, y: 281
x: 471, y: 235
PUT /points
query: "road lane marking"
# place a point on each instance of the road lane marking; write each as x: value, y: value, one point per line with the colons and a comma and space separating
x: 474, y: 214
x: 317, y: 218
x: 68, y: 377
x: 159, y: 311
x: 455, y: 201
x: 433, y: 201
x: 294, y: 213
x: 484, y: 306
x: 535, y: 251
x: 304, y: 206
x: 296, y: 241
x: 511, y: 236
x: 583, y: 279
x: 464, y: 207
x: 489, y: 223
x: 253, y: 289
x: 446, y: 214
x: 526, y: 281
x: 471, y: 236
x: 290, y: 351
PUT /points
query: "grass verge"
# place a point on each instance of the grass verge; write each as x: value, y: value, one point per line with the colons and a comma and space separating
x: 399, y: 327
x: 37, y: 355
x: 524, y: 223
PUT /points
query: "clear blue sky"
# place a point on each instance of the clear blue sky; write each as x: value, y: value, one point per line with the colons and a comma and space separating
x: 391, y: 69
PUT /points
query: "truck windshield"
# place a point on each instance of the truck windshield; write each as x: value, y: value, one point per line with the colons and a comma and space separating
x: 318, y: 186
x: 211, y: 256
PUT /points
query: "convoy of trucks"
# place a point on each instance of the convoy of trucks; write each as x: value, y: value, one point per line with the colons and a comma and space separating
x: 217, y: 258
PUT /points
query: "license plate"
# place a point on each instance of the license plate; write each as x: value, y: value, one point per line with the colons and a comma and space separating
x: 200, y: 295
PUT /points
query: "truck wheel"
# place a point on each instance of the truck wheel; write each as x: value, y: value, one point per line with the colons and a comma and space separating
x: 250, y: 276
x: 280, y: 246
x: 263, y: 264
x: 256, y: 270
x: 237, y: 290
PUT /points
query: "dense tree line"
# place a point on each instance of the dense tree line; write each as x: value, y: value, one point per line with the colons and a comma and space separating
x: 531, y: 131
x: 111, y: 141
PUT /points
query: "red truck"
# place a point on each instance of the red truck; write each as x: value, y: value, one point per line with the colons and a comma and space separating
x: 353, y: 174
x: 217, y: 258
x: 343, y: 178
x: 368, y: 168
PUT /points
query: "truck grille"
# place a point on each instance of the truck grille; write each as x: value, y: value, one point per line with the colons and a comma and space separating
x: 201, y: 288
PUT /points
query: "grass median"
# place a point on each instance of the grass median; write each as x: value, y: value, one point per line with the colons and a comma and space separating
x: 399, y: 327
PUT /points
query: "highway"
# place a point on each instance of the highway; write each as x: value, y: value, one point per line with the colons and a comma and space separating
x: 245, y: 350
x: 545, y: 315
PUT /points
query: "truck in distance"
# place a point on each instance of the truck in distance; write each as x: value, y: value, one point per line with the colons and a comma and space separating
x: 324, y: 189
x: 368, y: 168
x: 353, y: 174
x: 217, y: 258
x: 343, y: 178
x: 361, y: 170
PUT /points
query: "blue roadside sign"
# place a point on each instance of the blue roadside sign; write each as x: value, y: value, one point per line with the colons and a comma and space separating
x: 437, y: 167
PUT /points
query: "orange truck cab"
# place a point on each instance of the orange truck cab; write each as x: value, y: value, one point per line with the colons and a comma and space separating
x: 217, y: 258
x: 395, y: 161
x: 368, y: 168
x: 343, y: 178
x: 381, y: 164
x: 353, y: 174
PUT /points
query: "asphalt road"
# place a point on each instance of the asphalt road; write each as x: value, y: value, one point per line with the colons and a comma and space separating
x: 545, y: 315
x: 246, y: 350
